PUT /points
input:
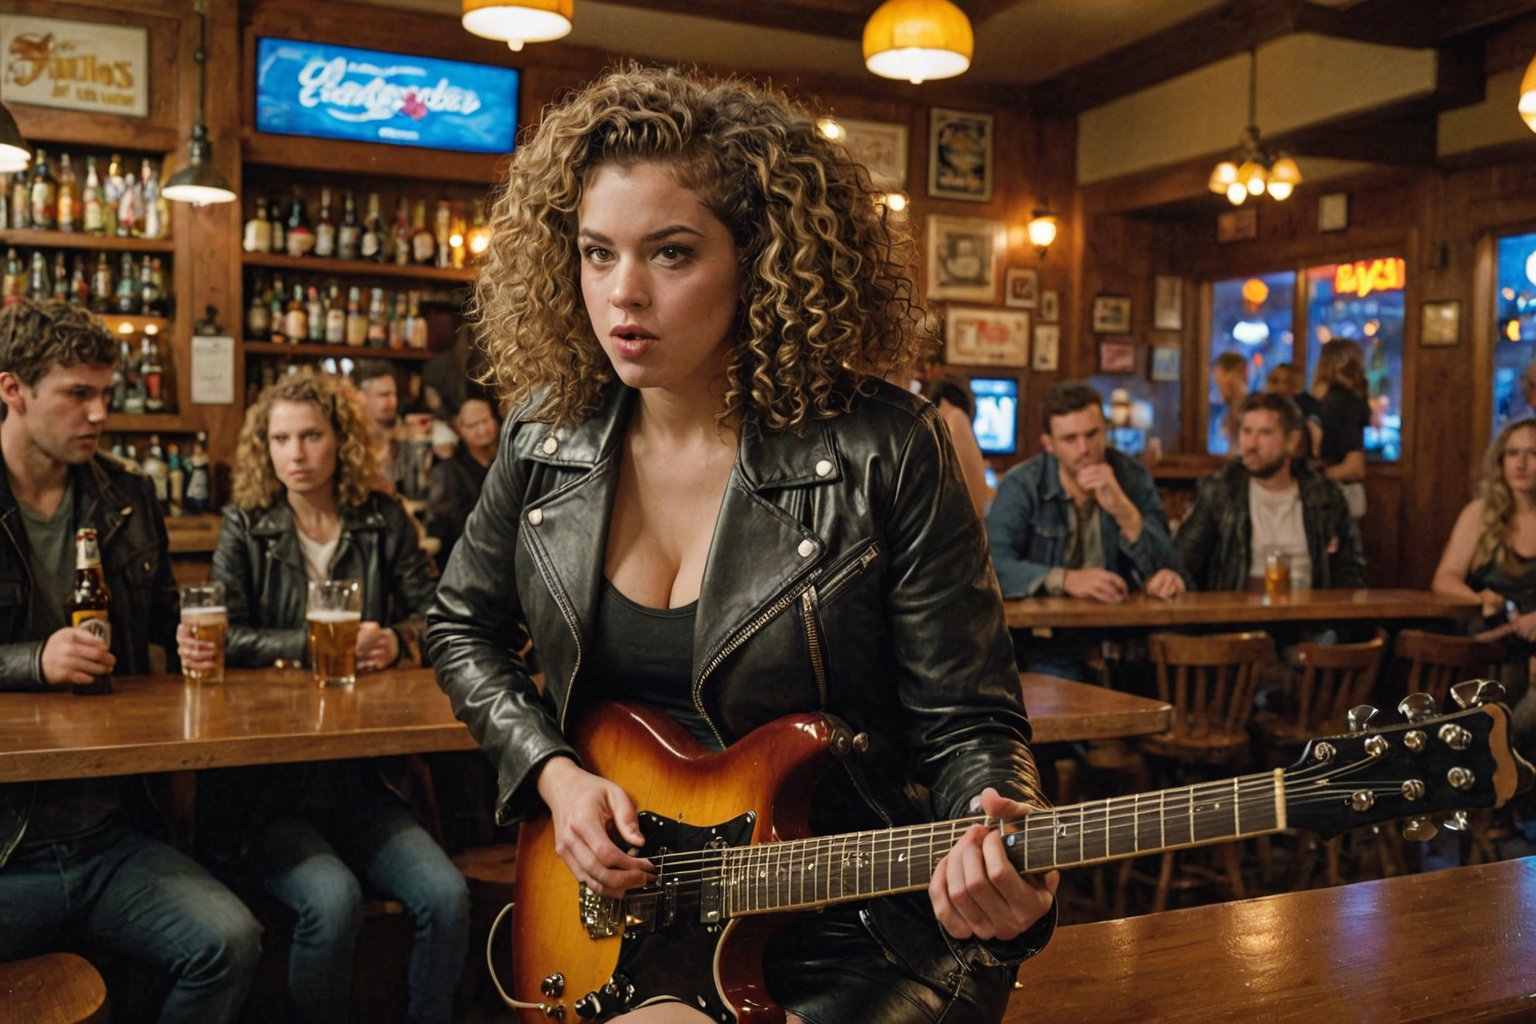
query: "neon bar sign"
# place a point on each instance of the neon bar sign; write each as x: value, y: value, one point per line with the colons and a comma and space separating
x: 338, y: 92
x: 1365, y: 276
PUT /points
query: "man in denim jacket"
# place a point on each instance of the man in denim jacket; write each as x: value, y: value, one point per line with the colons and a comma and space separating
x: 1080, y: 519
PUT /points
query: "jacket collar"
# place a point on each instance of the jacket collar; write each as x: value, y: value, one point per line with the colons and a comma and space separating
x: 98, y: 502
x: 275, y: 522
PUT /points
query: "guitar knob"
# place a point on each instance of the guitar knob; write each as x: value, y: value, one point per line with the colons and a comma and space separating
x: 1360, y: 717
x: 1456, y: 821
x: 1416, y: 707
x: 1476, y: 692
x: 553, y: 986
x: 1420, y: 830
x: 592, y: 1005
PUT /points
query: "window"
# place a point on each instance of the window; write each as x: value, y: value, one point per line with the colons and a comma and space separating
x: 1251, y: 317
x: 1514, y: 318
x: 1362, y: 301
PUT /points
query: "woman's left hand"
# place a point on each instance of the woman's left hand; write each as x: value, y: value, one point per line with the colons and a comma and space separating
x: 977, y: 892
x: 196, y: 655
x: 378, y: 647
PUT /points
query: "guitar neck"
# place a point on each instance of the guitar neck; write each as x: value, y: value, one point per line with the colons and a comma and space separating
x: 803, y: 874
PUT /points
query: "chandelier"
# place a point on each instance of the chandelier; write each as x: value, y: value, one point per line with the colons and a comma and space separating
x: 1254, y: 170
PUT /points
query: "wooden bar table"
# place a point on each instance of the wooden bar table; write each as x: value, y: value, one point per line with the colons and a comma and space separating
x: 1235, y: 608
x: 1451, y: 945
x: 1066, y: 711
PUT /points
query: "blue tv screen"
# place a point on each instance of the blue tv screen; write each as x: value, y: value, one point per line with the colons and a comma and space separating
x: 338, y: 92
x: 997, y: 414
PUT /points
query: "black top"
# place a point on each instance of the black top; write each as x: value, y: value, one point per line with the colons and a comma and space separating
x: 646, y: 655
x: 1344, y: 416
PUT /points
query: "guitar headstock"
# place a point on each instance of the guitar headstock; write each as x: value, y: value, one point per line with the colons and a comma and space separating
x: 1427, y: 765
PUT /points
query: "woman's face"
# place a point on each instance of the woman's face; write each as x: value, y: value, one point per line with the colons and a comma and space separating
x: 1520, y: 460
x: 303, y: 447
x: 659, y: 276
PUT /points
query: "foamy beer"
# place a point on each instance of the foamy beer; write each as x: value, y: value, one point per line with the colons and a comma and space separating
x: 203, y: 609
x: 334, y: 614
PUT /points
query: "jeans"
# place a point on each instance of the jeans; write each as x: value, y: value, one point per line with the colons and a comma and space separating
x: 121, y: 890
x: 306, y: 863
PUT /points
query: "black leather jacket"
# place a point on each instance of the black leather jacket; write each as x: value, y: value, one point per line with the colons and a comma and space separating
x: 134, y: 552
x: 848, y: 573
x: 259, y: 561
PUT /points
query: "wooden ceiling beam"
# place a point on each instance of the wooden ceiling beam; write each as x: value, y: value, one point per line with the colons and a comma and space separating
x: 836, y: 19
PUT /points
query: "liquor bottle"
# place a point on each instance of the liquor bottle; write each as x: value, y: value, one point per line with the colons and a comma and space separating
x: 157, y: 216
x: 21, y: 201
x: 5, y: 201
x: 258, y: 320
x: 325, y: 227
x: 350, y: 234
x: 296, y: 317
x: 156, y: 469
x: 149, y: 291
x: 357, y: 324
x: 198, y: 478
x: 442, y: 233
x: 131, y: 457
x: 279, y: 229
x: 126, y: 298
x: 314, y: 313
x: 335, y: 317
x: 277, y: 305
x: 163, y: 302
x: 152, y: 374
x: 88, y: 603
x: 39, y: 286
x: 402, y: 232
x: 130, y: 208
x: 112, y: 193
x: 60, y: 277
x: 91, y: 200
x: 257, y: 236
x: 418, y: 334
x: 372, y: 245
x: 301, y: 237
x: 101, y: 285
x: 423, y: 244
x: 45, y: 195
x: 398, y: 327
x: 123, y: 382
x: 69, y: 195
x: 176, y: 476
x: 79, y: 287
x: 15, y: 278
x: 378, y: 328
x: 115, y: 397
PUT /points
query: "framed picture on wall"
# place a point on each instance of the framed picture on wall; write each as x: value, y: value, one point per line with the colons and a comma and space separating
x: 880, y: 146
x: 1117, y: 357
x: 1441, y: 324
x: 986, y: 337
x: 1167, y: 363
x: 1047, y: 348
x: 959, y: 155
x: 1021, y: 285
x: 1167, y: 303
x: 1111, y: 314
x: 1050, y: 307
x: 962, y: 257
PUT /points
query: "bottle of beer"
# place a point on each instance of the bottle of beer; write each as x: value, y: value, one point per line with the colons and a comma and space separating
x: 87, y: 605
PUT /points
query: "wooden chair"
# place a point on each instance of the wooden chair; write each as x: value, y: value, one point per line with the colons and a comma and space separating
x: 1434, y: 661
x: 59, y: 988
x: 1210, y: 681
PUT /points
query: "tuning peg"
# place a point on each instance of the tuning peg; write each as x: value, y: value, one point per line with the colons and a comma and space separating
x: 1420, y: 830
x: 1416, y: 707
x: 1456, y: 821
x: 1360, y: 717
x: 1476, y: 692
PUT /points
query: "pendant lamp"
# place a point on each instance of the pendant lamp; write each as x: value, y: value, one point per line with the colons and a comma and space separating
x: 1528, y: 96
x: 15, y: 154
x: 1254, y: 170
x: 518, y: 21
x: 199, y: 183
x: 918, y: 40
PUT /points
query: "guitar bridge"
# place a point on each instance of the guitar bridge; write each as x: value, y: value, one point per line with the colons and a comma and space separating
x: 600, y: 915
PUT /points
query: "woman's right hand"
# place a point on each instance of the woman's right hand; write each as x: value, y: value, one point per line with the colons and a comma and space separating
x: 1492, y: 603
x: 588, y: 812
x: 196, y: 655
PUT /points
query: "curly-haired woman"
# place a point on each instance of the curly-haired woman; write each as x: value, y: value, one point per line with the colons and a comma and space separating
x: 707, y: 501
x: 303, y: 511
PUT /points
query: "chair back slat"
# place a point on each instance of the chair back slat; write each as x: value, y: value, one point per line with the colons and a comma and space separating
x: 1210, y: 681
x: 1437, y: 661
x: 1335, y: 678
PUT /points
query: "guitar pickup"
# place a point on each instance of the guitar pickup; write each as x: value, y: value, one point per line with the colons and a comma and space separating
x: 711, y: 900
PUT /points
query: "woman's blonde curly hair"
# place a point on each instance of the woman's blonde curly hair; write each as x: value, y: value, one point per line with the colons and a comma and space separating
x: 826, y: 293
x: 255, y: 483
x: 1498, y: 503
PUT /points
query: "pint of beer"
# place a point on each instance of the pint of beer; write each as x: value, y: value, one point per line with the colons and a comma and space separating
x: 334, y: 616
x: 1277, y: 576
x: 203, y: 609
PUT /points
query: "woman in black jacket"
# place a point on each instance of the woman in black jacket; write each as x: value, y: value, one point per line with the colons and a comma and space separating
x: 706, y: 501
x: 304, y: 510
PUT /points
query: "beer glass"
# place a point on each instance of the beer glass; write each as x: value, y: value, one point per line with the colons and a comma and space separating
x: 334, y: 614
x: 1277, y: 576
x: 203, y: 608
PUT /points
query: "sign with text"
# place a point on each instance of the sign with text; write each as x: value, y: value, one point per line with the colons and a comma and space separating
x: 75, y: 65
x: 337, y: 92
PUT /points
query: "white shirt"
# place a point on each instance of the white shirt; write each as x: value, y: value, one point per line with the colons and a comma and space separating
x: 1278, y: 526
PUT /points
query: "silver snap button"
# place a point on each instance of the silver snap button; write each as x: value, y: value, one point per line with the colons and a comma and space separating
x: 551, y: 443
x: 807, y: 548
x: 823, y: 467
x: 535, y: 516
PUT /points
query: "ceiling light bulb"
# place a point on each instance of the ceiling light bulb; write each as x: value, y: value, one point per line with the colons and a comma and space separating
x: 1253, y: 177
x: 1280, y: 191
x: 918, y: 40
x: 831, y: 129
x: 518, y: 21
x: 1236, y: 193
x: 1527, y: 105
x: 1042, y: 231
x: 1224, y: 174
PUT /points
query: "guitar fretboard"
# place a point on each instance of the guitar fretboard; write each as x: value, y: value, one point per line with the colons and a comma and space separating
x: 806, y: 873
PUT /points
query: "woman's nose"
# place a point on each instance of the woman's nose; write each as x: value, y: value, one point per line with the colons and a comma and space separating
x: 629, y: 287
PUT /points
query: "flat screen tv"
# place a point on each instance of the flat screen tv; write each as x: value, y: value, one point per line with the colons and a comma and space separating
x: 338, y: 92
x: 997, y: 414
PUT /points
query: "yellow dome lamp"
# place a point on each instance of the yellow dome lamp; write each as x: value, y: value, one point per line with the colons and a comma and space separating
x: 1528, y: 96
x: 919, y: 40
x: 519, y: 22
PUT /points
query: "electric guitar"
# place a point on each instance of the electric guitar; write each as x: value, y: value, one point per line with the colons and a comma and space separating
x: 726, y: 833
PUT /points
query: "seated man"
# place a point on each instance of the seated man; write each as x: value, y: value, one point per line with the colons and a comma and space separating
x: 1265, y: 501
x: 1080, y: 519
x: 72, y: 870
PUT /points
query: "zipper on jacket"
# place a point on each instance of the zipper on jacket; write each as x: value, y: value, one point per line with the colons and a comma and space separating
x: 809, y: 602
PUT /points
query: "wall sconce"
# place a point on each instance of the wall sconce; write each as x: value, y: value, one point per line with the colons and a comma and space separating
x: 917, y: 40
x: 199, y: 183
x: 1042, y: 230
x: 1528, y: 96
x: 518, y: 21
x: 15, y: 154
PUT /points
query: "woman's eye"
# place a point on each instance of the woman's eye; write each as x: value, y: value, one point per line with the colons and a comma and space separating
x: 673, y: 253
x: 596, y: 254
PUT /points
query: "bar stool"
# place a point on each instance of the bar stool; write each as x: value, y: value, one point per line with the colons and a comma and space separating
x: 59, y: 988
x: 1210, y: 681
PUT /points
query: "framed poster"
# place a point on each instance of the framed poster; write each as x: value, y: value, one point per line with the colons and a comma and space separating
x: 1237, y: 225
x: 1112, y: 314
x: 1117, y: 357
x: 959, y: 155
x: 986, y: 337
x: 1333, y: 211
x: 1167, y: 303
x: 962, y: 257
x: 1441, y: 324
x: 76, y: 65
x: 1050, y: 307
x: 1167, y: 363
x: 1047, y: 348
x: 1020, y: 287
x: 881, y: 147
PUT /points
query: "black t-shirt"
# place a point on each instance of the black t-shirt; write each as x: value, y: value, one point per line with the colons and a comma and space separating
x: 1344, y: 415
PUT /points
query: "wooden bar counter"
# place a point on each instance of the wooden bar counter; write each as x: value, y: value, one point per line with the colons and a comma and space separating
x: 1236, y: 607
x: 1451, y: 945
